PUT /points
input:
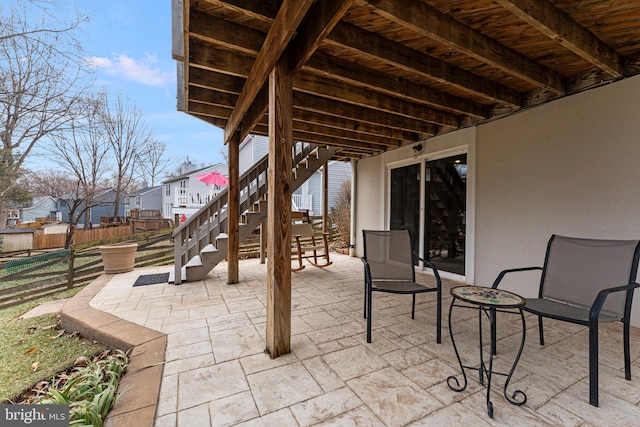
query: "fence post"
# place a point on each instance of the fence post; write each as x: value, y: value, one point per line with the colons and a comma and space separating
x: 72, y: 257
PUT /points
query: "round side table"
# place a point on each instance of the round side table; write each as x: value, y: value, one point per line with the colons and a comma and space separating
x: 488, y: 302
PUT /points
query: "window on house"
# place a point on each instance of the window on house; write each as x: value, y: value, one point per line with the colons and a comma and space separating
x: 167, y: 189
x: 137, y: 200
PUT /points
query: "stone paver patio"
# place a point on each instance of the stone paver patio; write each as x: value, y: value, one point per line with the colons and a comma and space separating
x: 217, y: 374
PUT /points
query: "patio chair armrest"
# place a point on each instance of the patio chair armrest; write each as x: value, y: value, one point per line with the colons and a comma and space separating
x: 432, y: 267
x: 598, y: 303
x: 511, y: 270
x: 367, y: 271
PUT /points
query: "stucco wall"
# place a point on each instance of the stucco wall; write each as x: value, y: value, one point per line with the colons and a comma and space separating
x: 567, y: 167
x: 369, y: 197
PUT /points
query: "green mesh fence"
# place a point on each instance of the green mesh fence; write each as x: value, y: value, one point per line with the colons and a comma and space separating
x: 22, y: 264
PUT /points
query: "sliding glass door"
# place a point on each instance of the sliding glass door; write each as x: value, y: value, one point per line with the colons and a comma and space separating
x: 445, y: 213
x: 405, y: 201
x: 443, y: 226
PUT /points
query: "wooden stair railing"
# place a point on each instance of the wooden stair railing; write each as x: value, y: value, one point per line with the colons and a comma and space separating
x: 200, y: 243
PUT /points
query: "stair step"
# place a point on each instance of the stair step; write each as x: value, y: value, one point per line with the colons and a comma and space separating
x: 196, y: 261
x: 172, y: 275
x: 209, y: 248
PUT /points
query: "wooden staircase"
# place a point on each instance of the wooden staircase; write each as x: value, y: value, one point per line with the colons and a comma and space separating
x: 201, y: 242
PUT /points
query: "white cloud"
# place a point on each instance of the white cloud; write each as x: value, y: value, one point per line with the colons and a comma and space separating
x: 146, y: 71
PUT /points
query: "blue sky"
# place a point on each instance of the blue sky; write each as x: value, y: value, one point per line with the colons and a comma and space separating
x: 129, y: 42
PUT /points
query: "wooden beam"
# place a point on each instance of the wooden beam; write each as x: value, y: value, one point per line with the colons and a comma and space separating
x: 214, y: 103
x: 214, y: 30
x: 207, y: 110
x: 263, y: 11
x: 209, y: 83
x: 398, y: 55
x: 344, y: 92
x: 558, y: 26
x: 341, y: 109
x: 282, y: 31
x: 430, y: 22
x: 278, y: 336
x: 233, y: 211
x: 349, y: 124
x: 368, y: 78
x: 228, y: 35
x: 320, y: 22
x: 220, y: 60
x: 356, y: 137
x: 238, y: 65
x: 211, y: 79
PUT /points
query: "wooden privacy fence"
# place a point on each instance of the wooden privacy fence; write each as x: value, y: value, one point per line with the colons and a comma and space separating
x: 47, y: 241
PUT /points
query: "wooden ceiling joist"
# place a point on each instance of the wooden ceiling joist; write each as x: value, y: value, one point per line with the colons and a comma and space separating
x: 431, y: 23
x: 377, y: 74
x: 552, y: 22
x: 344, y: 110
x: 405, y: 58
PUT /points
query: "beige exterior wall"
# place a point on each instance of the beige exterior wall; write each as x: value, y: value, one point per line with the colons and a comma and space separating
x: 567, y: 167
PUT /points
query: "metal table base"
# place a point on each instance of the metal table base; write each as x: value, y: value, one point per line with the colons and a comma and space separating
x: 488, y: 307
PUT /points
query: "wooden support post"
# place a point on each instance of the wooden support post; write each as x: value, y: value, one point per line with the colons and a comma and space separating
x: 233, y: 212
x: 263, y: 242
x: 279, y: 215
x: 325, y: 197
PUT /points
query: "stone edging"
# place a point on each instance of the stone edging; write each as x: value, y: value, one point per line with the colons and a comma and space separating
x: 137, y: 406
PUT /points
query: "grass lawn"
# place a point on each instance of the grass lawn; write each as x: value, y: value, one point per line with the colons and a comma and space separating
x: 34, y: 349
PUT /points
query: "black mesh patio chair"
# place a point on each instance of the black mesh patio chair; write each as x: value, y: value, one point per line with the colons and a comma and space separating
x: 389, y: 267
x: 586, y: 281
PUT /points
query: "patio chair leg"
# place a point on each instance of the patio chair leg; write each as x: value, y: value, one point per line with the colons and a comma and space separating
x: 540, y: 330
x: 365, y: 300
x: 439, y: 314
x: 368, y: 293
x: 627, y: 352
x: 413, y: 307
x: 593, y: 363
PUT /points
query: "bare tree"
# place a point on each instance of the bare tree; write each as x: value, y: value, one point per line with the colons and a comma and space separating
x: 40, y: 80
x: 14, y: 17
x: 54, y: 183
x: 127, y: 136
x: 152, y: 162
x: 82, y: 152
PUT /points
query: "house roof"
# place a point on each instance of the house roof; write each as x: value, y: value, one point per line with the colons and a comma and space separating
x: 373, y: 75
x: 194, y: 172
x: 36, y: 201
x: 143, y: 191
x: 17, y: 230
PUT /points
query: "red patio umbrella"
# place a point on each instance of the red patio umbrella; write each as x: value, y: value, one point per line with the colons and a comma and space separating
x: 215, y: 178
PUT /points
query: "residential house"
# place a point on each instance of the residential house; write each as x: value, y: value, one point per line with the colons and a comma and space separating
x: 309, y: 195
x: 103, y: 206
x: 145, y: 199
x: 40, y: 207
x: 185, y: 194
